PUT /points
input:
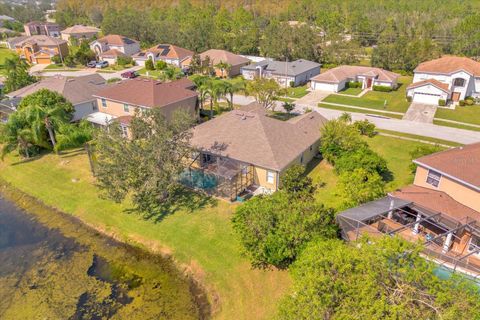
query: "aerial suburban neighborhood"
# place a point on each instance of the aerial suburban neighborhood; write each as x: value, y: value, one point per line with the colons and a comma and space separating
x: 226, y: 160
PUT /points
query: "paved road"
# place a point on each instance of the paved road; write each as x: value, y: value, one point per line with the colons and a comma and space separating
x: 86, y: 72
x: 406, y: 126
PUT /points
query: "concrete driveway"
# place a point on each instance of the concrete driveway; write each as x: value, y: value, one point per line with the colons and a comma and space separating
x: 86, y: 72
x: 420, y: 112
x: 312, y: 98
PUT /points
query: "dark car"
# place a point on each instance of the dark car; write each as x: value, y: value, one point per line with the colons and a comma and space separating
x: 92, y: 64
x: 129, y: 74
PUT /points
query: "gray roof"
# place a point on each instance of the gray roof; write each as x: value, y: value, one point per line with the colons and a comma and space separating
x: 292, y: 68
x: 4, y: 17
x: 373, y: 209
x: 76, y: 90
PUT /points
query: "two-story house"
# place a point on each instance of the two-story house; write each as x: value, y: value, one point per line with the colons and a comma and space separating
x: 39, y: 49
x: 441, y: 210
x: 285, y: 73
x: 169, y: 53
x: 110, y: 47
x: 449, y: 78
x: 121, y: 101
x: 35, y: 28
x: 79, y: 32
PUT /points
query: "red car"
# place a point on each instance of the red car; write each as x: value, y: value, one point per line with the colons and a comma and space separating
x: 129, y: 74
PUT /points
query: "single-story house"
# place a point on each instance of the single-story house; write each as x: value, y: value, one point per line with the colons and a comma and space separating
x: 235, y: 62
x: 449, y: 78
x: 79, y: 32
x: 441, y: 210
x: 77, y: 90
x: 39, y: 49
x: 4, y: 19
x: 169, y: 53
x: 336, y: 79
x: 120, y: 101
x: 7, y: 107
x: 111, y: 46
x: 246, y: 149
x: 292, y: 73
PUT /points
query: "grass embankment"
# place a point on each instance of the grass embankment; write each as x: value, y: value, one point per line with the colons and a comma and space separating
x: 396, y: 100
x: 202, y: 240
x: 346, y: 109
x: 467, y: 114
x: 417, y: 137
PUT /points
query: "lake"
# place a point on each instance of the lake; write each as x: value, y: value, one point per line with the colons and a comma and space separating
x: 61, y: 269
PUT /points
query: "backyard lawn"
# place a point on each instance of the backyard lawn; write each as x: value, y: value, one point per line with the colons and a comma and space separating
x: 5, y: 53
x: 467, y: 114
x: 396, y: 100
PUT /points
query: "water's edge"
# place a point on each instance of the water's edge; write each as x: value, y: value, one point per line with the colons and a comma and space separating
x: 72, y: 226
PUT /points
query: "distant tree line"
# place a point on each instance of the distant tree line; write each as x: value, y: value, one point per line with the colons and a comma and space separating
x: 399, y: 34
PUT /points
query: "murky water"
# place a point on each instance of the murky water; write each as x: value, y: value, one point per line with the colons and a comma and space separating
x: 47, y: 275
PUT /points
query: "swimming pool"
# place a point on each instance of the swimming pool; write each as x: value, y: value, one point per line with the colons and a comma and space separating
x: 198, y: 179
x: 443, y: 273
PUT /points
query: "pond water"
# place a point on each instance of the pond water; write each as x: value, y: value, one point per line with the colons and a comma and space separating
x: 45, y: 274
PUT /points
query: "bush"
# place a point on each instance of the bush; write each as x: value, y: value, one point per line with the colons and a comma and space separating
x: 365, y: 127
x: 354, y: 84
x: 123, y: 61
x: 113, y: 80
x: 382, y: 88
x: 421, y: 151
x: 274, y: 229
x: 338, y: 138
x: 292, y: 84
x: 161, y: 65
x: 149, y: 65
x: 409, y: 98
x: 70, y: 61
x: 442, y: 102
x: 461, y: 103
x: 362, y: 158
x: 469, y: 98
x: 56, y: 59
x: 360, y: 186
x: 296, y: 183
x: 469, y: 102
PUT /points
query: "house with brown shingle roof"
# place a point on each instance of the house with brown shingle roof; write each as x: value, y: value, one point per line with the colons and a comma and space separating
x: 110, y: 47
x: 336, y: 79
x: 235, y: 62
x: 79, y: 32
x: 447, y: 78
x: 35, y: 28
x: 441, y: 209
x: 169, y: 53
x: 246, y: 148
x: 39, y: 49
x: 122, y: 100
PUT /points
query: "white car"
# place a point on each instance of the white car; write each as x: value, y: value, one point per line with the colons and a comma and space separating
x: 101, y: 64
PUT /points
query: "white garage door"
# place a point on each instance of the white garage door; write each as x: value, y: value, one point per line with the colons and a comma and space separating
x: 324, y: 86
x: 426, y: 98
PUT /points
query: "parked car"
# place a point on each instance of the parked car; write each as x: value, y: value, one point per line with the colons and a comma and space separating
x: 129, y: 74
x: 92, y: 64
x: 101, y: 64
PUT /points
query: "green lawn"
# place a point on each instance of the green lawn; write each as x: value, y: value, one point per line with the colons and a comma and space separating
x: 351, y: 91
x: 297, y: 92
x: 117, y: 67
x: 5, y: 53
x: 454, y: 125
x: 396, y: 100
x: 151, y: 73
x: 201, y: 240
x: 346, y: 109
x: 63, y: 67
x: 414, y: 136
x: 467, y: 114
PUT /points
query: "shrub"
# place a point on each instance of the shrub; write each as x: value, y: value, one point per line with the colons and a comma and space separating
x: 354, y: 84
x: 469, y: 102
x: 113, y: 80
x: 360, y: 186
x: 363, y: 158
x: 149, y: 65
x: 288, y: 106
x: 442, y: 102
x: 461, y: 103
x: 160, y: 65
x: 365, y: 127
x: 469, y: 98
x: 69, y: 61
x: 123, y: 61
x: 382, y: 88
x: 338, y: 138
x: 292, y: 84
x: 409, y: 98
x: 421, y: 151
x: 296, y: 183
x: 56, y: 59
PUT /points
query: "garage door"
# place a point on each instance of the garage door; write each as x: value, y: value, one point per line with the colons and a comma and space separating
x: 324, y: 86
x: 426, y: 98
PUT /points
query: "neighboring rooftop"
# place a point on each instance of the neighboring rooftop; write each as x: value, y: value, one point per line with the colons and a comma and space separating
x: 41, y: 23
x: 40, y: 40
x: 116, y: 40
x: 216, y: 56
x: 342, y: 73
x: 433, y: 82
x: 249, y: 135
x: 76, y: 90
x: 168, y: 51
x: 291, y: 68
x: 112, y: 53
x: 461, y: 163
x: 148, y: 92
x: 450, y: 64
x: 80, y: 29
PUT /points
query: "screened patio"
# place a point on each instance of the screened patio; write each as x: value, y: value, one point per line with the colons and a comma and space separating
x: 453, y: 243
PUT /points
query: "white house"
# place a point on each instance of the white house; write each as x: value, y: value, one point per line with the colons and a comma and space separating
x: 447, y: 78
x: 114, y: 45
x: 336, y: 79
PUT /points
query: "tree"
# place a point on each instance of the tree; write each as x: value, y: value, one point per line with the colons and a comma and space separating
x: 196, y: 64
x: 17, y: 74
x: 171, y: 73
x: 147, y: 165
x: 84, y: 54
x: 288, y: 106
x: 382, y: 279
x: 224, y: 68
x: 467, y: 36
x: 296, y: 183
x: 45, y: 111
x: 232, y: 87
x: 346, y: 117
x: 149, y: 64
x: 274, y: 229
x: 360, y: 186
x: 265, y: 91
x: 74, y: 135
x: 361, y: 158
x: 365, y: 127
x: 420, y: 151
x: 200, y: 82
x: 161, y: 65
x: 16, y: 135
x: 124, y: 60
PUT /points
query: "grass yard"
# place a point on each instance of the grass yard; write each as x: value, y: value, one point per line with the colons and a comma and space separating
x: 62, y: 67
x: 202, y: 240
x: 346, y: 109
x: 467, y: 114
x: 454, y: 125
x: 117, y: 67
x: 351, y: 91
x: 5, y: 53
x: 151, y: 73
x: 396, y: 153
x: 396, y: 100
x: 414, y: 136
x: 297, y: 92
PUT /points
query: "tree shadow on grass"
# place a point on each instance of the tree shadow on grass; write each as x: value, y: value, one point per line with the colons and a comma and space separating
x: 183, y: 199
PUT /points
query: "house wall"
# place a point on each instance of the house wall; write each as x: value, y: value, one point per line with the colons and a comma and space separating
x: 85, y: 35
x: 234, y: 70
x: 431, y: 90
x: 325, y: 86
x: 467, y: 90
x: 84, y: 109
x: 260, y: 178
x: 392, y: 84
x: 461, y: 193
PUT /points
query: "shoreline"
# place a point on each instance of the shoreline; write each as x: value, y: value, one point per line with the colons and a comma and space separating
x: 72, y: 226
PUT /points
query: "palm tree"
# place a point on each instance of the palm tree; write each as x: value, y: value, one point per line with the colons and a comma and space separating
x: 223, y: 66
x: 232, y: 87
x: 16, y: 135
x: 215, y: 89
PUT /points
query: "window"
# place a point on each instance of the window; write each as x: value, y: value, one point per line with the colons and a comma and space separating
x: 459, y: 82
x: 126, y: 108
x: 301, y: 158
x: 270, y: 177
x: 311, y: 147
x: 104, y: 103
x: 124, y: 131
x: 433, y: 178
x: 474, y: 244
x: 94, y: 106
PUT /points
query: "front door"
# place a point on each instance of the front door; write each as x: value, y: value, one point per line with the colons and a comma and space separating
x: 369, y: 83
x: 455, y: 96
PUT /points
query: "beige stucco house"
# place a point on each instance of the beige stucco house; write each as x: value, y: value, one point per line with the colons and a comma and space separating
x: 246, y: 149
x: 79, y: 32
